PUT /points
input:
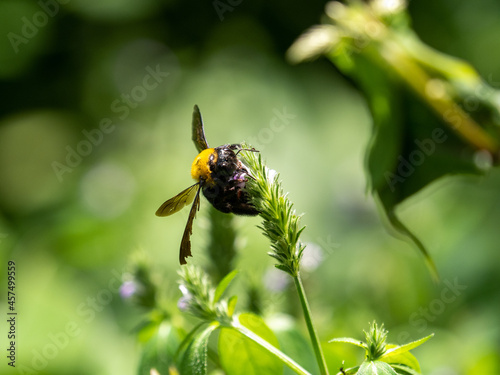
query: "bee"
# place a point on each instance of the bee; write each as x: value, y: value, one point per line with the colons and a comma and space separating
x: 220, y: 175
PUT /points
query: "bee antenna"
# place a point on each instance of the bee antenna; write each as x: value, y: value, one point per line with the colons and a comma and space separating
x: 246, y: 149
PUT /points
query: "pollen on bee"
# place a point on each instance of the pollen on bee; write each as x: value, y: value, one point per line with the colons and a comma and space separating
x: 201, y: 167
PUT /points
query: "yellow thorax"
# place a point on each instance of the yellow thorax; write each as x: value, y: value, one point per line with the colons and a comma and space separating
x: 200, y: 168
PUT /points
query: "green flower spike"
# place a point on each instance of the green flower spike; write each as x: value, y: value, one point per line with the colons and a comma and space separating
x: 280, y: 223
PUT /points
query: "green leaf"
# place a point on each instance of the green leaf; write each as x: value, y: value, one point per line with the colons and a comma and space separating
x: 194, y: 360
x: 241, y: 356
x: 349, y: 371
x: 381, y: 95
x: 406, y: 359
x: 389, y: 143
x: 231, y: 305
x: 406, y: 347
x: 293, y: 342
x: 348, y: 340
x: 159, y: 351
x: 376, y: 368
x: 221, y: 288
x: 404, y: 370
x: 413, y: 143
x: 398, y: 229
x: 406, y: 154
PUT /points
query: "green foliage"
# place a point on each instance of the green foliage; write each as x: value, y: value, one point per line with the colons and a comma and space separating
x: 199, y: 297
x: 423, y: 128
x: 245, y: 342
x: 194, y: 360
x: 382, y: 358
x: 160, y: 349
x: 221, y: 288
x: 375, y: 368
x: 240, y: 356
x: 403, y: 360
x: 293, y: 342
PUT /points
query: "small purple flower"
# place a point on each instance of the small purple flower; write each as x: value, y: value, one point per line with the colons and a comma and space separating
x: 184, y: 301
x: 241, y: 178
x: 128, y: 289
x: 275, y: 280
x: 312, y: 257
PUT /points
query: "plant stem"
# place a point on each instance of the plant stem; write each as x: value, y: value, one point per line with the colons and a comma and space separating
x: 273, y: 350
x: 320, y: 358
x: 415, y: 77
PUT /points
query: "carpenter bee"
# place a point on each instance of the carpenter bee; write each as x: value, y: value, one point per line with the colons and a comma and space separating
x: 220, y: 175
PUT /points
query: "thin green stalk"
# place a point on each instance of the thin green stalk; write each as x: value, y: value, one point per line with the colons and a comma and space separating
x: 413, y: 75
x: 270, y: 348
x: 320, y: 358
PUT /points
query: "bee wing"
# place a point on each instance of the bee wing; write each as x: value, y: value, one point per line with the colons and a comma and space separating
x: 178, y: 202
x: 185, y: 250
x: 198, y: 131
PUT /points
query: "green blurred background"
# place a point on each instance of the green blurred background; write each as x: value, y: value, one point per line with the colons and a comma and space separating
x: 135, y: 69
